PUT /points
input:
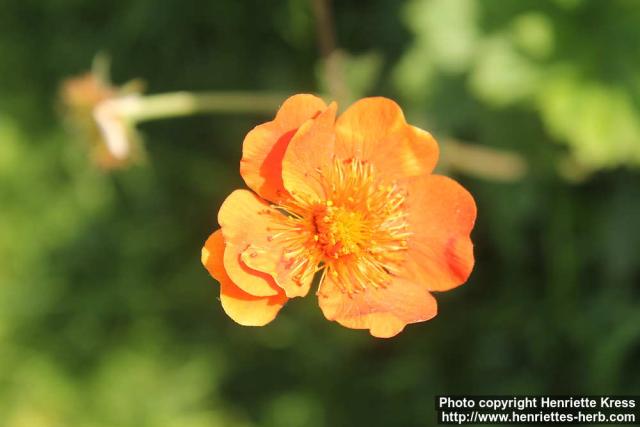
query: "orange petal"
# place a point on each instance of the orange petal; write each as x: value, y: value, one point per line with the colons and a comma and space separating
x: 251, y: 281
x: 245, y: 309
x: 375, y: 130
x: 441, y: 216
x: 310, y: 150
x: 264, y: 146
x: 384, y: 311
x: 248, y: 223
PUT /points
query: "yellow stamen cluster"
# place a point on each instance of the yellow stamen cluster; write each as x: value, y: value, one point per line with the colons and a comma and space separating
x: 339, y: 231
x: 357, y: 234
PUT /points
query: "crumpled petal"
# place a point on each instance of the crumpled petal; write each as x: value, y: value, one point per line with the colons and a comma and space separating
x: 245, y: 309
x: 249, y: 280
x: 264, y: 146
x: 384, y: 311
x: 248, y: 224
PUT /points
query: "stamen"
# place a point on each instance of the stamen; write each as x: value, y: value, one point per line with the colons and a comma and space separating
x: 357, y: 235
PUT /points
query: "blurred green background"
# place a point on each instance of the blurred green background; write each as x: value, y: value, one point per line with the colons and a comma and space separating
x: 107, y: 317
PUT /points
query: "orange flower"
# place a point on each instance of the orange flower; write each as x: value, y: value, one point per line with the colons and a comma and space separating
x: 352, y: 198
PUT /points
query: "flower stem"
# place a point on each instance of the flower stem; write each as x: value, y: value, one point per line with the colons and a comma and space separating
x: 179, y: 104
x: 333, y: 58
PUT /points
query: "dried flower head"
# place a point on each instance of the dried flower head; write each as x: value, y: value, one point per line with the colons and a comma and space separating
x: 91, y: 107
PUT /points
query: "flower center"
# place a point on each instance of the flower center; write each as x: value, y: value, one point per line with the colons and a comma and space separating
x: 339, y: 230
x: 357, y: 235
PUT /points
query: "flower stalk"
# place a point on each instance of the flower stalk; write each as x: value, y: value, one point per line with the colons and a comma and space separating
x: 117, y: 116
x: 179, y: 104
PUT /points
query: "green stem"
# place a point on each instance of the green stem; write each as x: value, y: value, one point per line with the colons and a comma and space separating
x: 179, y: 104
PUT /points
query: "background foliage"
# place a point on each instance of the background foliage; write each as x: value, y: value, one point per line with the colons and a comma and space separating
x: 107, y: 317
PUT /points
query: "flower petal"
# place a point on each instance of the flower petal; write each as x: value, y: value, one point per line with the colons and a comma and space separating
x: 248, y: 224
x: 384, y: 311
x: 264, y: 146
x: 245, y: 309
x: 308, y: 153
x: 375, y: 130
x: 441, y: 216
x: 251, y: 281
